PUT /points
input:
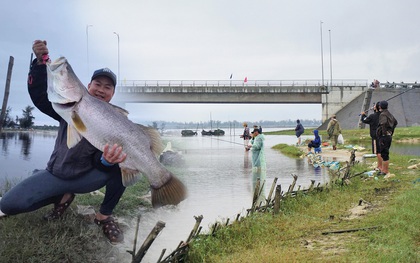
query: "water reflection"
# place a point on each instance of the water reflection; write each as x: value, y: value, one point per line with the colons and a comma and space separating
x: 26, y: 141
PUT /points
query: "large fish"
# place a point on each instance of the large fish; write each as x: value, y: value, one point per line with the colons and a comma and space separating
x: 101, y: 123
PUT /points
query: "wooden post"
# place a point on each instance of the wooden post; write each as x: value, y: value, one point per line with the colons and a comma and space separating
x: 256, y: 193
x: 148, y: 242
x: 277, y: 198
x: 311, y: 187
x: 273, y: 185
x: 198, y: 220
x: 292, y: 186
x: 6, y: 92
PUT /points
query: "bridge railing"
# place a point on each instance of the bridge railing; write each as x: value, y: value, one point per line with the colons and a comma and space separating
x: 241, y: 83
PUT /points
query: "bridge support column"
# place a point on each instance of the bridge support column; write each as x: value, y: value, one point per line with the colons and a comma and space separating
x: 337, y: 98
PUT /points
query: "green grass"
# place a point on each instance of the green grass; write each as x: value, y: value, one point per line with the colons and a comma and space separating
x: 295, y: 235
x: 288, y: 150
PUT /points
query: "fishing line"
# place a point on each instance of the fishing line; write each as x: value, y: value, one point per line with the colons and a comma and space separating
x: 399, y: 94
x: 224, y: 140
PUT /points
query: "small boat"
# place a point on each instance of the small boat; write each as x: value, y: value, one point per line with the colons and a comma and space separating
x: 217, y: 132
x: 188, y: 133
x: 203, y: 132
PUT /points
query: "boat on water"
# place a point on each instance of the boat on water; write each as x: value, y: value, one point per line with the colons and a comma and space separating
x: 188, y: 133
x: 217, y: 132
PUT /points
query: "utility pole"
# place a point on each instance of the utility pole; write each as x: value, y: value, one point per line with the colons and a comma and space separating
x: 6, y: 92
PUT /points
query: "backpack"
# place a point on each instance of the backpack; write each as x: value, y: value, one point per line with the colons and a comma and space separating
x: 330, y: 131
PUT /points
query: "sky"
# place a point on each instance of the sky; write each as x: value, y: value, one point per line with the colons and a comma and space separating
x: 210, y: 40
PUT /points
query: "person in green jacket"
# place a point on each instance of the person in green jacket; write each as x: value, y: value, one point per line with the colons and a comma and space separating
x: 334, y: 130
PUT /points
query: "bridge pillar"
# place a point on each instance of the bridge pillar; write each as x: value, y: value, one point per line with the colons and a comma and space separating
x: 338, y: 97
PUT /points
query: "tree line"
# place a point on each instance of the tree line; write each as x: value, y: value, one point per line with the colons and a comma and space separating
x: 26, y: 121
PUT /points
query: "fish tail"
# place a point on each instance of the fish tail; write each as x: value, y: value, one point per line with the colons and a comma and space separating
x: 171, y: 193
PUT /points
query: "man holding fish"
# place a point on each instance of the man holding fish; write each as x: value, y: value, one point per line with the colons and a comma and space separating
x: 88, y: 153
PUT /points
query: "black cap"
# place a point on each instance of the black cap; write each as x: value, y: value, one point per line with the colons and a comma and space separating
x: 383, y: 104
x: 105, y: 72
x: 258, y: 130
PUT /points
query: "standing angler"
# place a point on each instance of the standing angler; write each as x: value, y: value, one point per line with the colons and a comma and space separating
x: 373, y: 121
x: 386, y: 127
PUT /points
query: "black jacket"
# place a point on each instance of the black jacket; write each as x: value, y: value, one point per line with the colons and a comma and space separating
x: 373, y: 121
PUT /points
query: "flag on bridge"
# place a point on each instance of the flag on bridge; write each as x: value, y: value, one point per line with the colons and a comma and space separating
x: 246, y: 79
x: 231, y: 76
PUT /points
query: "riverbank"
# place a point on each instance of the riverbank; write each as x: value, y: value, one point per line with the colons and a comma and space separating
x: 372, y: 219
x: 300, y: 222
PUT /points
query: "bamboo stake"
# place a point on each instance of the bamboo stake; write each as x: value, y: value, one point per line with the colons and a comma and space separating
x: 198, y: 220
x: 273, y: 185
x: 292, y: 186
x: 277, y: 198
x: 161, y: 254
x: 148, y: 242
x: 312, y: 185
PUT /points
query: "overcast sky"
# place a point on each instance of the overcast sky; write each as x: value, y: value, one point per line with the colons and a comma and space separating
x: 210, y: 40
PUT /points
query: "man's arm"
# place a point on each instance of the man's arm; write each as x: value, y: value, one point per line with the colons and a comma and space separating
x: 37, y: 81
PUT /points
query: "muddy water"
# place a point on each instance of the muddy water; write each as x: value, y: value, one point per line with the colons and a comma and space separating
x: 220, y: 181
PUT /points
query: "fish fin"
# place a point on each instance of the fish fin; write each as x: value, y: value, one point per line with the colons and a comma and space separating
x: 120, y: 110
x: 171, y: 193
x: 129, y: 176
x: 78, y: 122
x: 156, y: 142
x: 73, y: 136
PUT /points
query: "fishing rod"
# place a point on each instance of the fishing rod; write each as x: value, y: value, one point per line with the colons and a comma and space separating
x: 399, y: 94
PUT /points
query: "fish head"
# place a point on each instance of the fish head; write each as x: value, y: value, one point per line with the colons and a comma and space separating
x: 64, y: 87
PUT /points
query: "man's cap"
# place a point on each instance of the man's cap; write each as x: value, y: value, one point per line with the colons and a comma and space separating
x: 256, y: 130
x: 383, y: 104
x: 334, y: 116
x: 107, y: 73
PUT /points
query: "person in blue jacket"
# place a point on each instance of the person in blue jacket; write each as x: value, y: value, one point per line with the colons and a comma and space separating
x: 316, y: 142
x: 299, y: 131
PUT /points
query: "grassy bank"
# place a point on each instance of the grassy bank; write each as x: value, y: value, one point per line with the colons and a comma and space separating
x: 28, y: 238
x: 388, y: 207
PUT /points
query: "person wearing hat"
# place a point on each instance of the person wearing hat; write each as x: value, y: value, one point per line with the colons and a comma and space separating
x: 81, y: 169
x: 386, y: 126
x: 299, y: 130
x: 334, y: 129
x: 246, y: 136
x: 257, y: 149
x: 373, y: 121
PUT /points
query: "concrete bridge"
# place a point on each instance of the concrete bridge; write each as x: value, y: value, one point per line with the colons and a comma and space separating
x: 333, y: 96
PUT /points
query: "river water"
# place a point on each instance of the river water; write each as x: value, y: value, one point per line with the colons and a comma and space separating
x: 217, y: 173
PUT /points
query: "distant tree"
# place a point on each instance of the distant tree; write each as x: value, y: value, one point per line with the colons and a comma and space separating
x: 8, y: 121
x: 26, y: 122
